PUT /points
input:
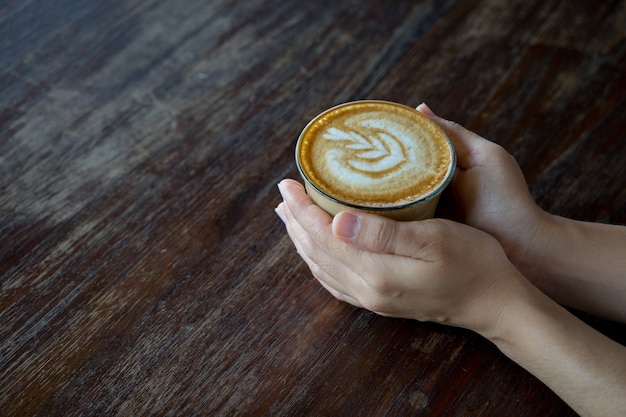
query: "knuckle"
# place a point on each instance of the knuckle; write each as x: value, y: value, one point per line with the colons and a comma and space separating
x: 307, y: 244
x: 376, y: 304
x: 450, y: 124
x: 376, y: 291
x: 315, y: 231
x: 380, y: 286
x: 493, y: 151
x: 441, y: 239
x: 384, y: 232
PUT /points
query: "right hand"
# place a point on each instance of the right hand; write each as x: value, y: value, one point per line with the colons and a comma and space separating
x: 490, y: 192
x: 431, y: 270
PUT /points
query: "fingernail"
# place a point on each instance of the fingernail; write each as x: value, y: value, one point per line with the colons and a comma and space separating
x: 425, y: 109
x: 347, y: 225
x: 280, y: 211
x: 283, y: 191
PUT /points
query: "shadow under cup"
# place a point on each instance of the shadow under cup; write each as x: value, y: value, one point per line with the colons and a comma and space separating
x: 374, y: 144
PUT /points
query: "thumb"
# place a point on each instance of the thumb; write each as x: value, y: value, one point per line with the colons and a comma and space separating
x: 382, y: 235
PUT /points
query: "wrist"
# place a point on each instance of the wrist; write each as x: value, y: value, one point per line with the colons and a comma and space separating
x: 579, y: 364
x: 504, y: 301
x: 516, y: 300
x: 535, y: 256
x: 579, y: 264
x: 521, y: 321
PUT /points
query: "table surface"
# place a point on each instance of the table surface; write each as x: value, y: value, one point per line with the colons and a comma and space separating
x: 143, y: 270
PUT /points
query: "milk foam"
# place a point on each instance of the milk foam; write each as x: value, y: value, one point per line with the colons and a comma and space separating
x: 374, y: 154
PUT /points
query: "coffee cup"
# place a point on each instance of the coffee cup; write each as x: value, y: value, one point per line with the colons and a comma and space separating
x: 375, y: 156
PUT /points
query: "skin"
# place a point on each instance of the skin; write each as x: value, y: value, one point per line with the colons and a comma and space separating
x: 504, y: 272
x: 579, y: 264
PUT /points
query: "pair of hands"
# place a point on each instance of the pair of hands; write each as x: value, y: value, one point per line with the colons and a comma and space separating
x: 432, y: 270
x: 473, y: 273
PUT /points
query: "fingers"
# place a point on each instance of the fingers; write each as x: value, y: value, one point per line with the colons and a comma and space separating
x: 350, y: 233
x: 467, y: 144
x: 310, y: 216
x: 381, y: 235
x: 340, y: 296
x: 312, y: 245
x: 369, y: 232
x: 355, y: 275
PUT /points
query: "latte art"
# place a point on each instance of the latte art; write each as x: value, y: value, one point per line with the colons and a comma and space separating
x: 374, y: 154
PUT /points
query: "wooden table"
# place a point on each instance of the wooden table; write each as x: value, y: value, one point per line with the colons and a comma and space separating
x: 142, y: 268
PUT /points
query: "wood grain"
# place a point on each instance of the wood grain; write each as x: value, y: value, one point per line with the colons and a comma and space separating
x: 142, y: 269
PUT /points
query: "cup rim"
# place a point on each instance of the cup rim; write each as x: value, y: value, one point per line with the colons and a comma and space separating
x: 433, y: 194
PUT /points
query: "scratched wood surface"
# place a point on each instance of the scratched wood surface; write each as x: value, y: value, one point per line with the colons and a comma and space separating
x: 142, y: 268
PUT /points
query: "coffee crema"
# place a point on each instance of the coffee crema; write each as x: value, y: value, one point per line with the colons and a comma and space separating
x: 375, y: 155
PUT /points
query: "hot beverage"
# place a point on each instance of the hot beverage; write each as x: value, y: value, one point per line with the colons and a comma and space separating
x: 375, y: 156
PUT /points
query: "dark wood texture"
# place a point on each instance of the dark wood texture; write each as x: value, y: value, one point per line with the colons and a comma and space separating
x: 142, y: 268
